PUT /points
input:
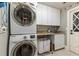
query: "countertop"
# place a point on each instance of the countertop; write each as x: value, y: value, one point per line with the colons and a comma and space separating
x: 51, y: 33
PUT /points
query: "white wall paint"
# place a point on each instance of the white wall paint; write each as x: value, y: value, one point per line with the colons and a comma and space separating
x: 3, y: 44
x: 1, y: 12
x: 63, y: 21
x: 3, y: 37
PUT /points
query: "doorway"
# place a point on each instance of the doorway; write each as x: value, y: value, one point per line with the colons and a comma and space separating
x: 73, y: 30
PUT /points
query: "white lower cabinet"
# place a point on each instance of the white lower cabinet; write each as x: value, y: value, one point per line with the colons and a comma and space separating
x: 43, y: 45
x: 40, y: 46
x: 59, y: 41
x: 46, y: 45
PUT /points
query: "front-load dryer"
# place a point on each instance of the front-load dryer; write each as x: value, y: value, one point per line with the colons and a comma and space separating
x: 23, y: 45
x: 22, y: 18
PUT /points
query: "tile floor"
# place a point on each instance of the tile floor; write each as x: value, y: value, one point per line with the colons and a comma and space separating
x: 62, y: 52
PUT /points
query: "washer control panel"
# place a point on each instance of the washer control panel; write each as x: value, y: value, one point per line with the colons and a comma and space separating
x: 29, y: 37
x: 32, y: 36
x: 23, y: 37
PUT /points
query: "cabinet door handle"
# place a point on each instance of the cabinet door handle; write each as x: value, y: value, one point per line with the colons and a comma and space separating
x: 71, y: 31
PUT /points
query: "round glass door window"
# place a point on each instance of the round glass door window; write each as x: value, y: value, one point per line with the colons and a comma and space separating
x: 24, y: 15
x: 24, y: 49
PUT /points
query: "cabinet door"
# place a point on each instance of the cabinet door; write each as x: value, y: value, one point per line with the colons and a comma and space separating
x: 49, y: 15
x: 59, y: 41
x: 57, y: 14
x: 40, y: 46
x: 46, y: 45
x: 55, y: 17
x: 39, y: 13
x: 44, y: 15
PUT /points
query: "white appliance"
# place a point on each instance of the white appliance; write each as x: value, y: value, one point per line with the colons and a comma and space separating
x: 22, y: 18
x: 59, y: 41
x: 23, y: 45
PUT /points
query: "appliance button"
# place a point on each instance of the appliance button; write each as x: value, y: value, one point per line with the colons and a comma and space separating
x: 25, y: 37
x: 32, y: 36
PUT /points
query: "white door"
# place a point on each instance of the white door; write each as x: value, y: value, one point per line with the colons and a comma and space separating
x: 74, y: 30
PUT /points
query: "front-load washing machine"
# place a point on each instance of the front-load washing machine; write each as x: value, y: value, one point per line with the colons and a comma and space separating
x: 22, y: 18
x: 23, y: 45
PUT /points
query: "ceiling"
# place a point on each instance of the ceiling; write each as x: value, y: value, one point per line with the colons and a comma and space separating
x: 59, y: 5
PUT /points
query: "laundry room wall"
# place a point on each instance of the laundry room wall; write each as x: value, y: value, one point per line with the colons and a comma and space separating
x: 0, y: 16
x: 63, y: 16
x: 3, y: 44
x: 3, y: 33
x: 63, y: 21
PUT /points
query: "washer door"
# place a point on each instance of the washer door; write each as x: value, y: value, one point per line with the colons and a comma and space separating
x: 24, y: 48
x: 24, y: 15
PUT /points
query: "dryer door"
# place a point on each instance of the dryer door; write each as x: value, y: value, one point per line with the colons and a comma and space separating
x: 24, y: 15
x: 24, y: 48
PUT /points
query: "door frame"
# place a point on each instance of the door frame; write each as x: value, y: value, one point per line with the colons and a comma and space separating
x: 68, y: 26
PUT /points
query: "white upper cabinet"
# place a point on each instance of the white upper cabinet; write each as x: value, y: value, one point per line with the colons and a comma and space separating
x: 39, y: 13
x: 44, y: 15
x: 47, y: 15
x: 55, y: 17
